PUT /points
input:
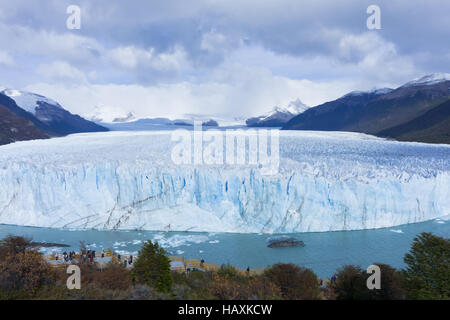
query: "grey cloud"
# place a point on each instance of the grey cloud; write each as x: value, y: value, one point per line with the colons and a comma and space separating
x: 299, y: 28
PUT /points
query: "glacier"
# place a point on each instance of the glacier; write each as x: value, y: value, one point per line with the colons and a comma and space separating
x: 327, y: 181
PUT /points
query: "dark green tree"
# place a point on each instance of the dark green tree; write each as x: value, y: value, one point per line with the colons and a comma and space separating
x: 391, y: 284
x: 296, y: 283
x: 351, y: 284
x: 152, y: 267
x: 428, y: 268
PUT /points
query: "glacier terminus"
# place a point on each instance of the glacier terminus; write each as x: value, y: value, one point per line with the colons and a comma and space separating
x: 327, y: 181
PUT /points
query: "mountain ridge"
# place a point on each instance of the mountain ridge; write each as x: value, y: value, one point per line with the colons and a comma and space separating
x: 278, y: 116
x: 48, y: 115
x: 376, y: 112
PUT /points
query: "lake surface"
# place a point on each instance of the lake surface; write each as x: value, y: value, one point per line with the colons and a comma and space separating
x: 323, y: 252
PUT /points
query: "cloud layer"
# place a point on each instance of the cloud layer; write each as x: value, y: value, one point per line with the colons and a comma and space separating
x: 230, y: 58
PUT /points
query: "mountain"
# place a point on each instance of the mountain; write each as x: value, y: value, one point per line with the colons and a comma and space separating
x: 433, y: 126
x: 109, y: 114
x: 157, y: 124
x: 385, y: 112
x: 430, y: 79
x: 14, y: 128
x: 210, y: 123
x: 128, y: 117
x: 335, y: 115
x: 48, y: 115
x: 277, y: 117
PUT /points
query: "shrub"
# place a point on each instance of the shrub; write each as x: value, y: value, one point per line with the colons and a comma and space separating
x: 12, y: 245
x: 223, y: 287
x: 296, y: 283
x: 428, y: 268
x: 228, y: 271
x: 351, y: 284
x: 192, y: 285
x: 113, y: 277
x: 392, y: 284
x: 21, y: 268
x: 144, y: 292
x: 152, y: 267
x: 261, y: 288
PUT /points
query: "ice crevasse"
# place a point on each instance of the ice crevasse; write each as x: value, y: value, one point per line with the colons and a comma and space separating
x: 327, y: 181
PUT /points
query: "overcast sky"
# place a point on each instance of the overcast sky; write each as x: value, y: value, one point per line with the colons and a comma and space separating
x: 224, y: 58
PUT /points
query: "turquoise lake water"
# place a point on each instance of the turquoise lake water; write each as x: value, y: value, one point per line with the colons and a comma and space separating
x: 323, y: 252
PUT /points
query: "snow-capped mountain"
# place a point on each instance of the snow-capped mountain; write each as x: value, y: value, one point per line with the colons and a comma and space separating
x: 110, y: 114
x: 278, y: 116
x: 129, y: 117
x: 14, y: 128
x: 373, y: 92
x: 48, y: 115
x: 416, y: 111
x: 29, y: 101
x: 429, y: 79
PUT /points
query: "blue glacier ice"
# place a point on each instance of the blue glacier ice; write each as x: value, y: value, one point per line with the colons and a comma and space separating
x: 327, y: 181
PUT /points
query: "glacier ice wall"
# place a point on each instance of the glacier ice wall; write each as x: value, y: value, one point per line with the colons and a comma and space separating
x: 326, y: 182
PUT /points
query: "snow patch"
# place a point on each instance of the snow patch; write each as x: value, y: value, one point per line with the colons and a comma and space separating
x: 429, y: 79
x: 27, y: 100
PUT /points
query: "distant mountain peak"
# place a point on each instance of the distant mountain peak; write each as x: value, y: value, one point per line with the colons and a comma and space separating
x: 294, y: 107
x: 46, y: 114
x: 127, y: 118
x: 278, y: 116
x: 27, y: 100
x: 429, y: 79
x: 382, y: 90
x: 375, y: 91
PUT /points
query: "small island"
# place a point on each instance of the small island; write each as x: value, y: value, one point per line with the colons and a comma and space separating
x: 284, y: 241
x: 48, y: 245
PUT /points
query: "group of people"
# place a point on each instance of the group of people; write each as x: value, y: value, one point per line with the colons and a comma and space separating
x: 126, y: 261
x: 89, y: 255
x: 325, y: 282
x: 66, y: 257
x: 85, y: 255
x: 333, y: 279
